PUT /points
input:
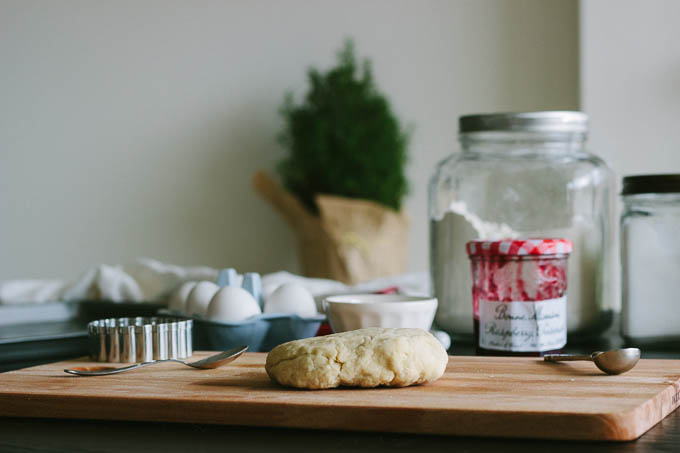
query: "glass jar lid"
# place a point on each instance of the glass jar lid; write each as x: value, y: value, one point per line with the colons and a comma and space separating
x: 508, y: 247
x: 547, y: 121
x: 639, y: 184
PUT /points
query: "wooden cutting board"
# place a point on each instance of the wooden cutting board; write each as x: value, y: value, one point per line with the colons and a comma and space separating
x: 477, y: 396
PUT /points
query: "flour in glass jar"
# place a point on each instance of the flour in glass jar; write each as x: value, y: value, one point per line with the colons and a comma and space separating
x: 451, y: 274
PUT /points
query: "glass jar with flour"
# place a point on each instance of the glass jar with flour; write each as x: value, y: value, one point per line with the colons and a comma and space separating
x: 523, y: 175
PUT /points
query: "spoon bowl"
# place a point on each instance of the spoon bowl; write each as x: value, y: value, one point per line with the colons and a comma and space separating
x: 616, y: 361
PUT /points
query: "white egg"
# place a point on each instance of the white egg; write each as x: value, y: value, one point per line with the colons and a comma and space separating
x: 291, y: 298
x: 232, y: 304
x: 199, y: 298
x: 178, y: 299
x: 443, y: 338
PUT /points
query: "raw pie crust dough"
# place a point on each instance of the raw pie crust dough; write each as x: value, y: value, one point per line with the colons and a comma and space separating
x: 359, y: 358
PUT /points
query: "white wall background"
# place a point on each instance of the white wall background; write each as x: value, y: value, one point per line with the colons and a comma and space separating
x: 630, y: 87
x: 631, y: 83
x: 132, y: 128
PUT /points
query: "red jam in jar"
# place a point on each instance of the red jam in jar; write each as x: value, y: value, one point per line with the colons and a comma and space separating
x: 519, y: 296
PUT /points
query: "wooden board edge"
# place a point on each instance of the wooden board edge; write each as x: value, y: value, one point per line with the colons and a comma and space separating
x: 446, y: 422
x: 630, y: 426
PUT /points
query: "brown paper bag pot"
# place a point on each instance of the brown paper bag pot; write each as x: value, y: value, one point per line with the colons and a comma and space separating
x: 349, y: 240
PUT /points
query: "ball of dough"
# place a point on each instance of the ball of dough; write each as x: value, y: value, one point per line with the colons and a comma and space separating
x: 178, y: 300
x: 291, y: 298
x: 232, y: 304
x: 199, y: 298
x: 359, y: 358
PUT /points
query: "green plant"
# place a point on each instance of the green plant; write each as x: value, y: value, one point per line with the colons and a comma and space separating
x: 343, y: 139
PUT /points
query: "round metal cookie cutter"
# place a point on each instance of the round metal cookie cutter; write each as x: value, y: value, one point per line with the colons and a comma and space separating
x: 130, y: 340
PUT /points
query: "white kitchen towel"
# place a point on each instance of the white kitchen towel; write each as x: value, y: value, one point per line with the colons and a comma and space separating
x: 148, y: 280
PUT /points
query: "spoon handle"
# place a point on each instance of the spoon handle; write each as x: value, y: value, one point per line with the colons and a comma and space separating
x: 213, y: 361
x: 105, y: 370
x: 566, y: 357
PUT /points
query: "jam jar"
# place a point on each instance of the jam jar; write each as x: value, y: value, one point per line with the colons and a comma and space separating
x: 519, y: 296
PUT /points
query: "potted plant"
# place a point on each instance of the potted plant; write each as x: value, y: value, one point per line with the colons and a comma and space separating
x: 343, y: 175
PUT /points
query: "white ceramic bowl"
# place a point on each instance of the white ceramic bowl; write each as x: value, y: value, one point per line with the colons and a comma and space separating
x: 358, y: 311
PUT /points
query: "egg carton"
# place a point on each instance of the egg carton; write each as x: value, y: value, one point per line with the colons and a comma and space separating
x: 260, y: 332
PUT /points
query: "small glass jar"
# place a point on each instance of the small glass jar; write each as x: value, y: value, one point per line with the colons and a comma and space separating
x: 650, y: 259
x: 519, y: 296
x: 522, y: 175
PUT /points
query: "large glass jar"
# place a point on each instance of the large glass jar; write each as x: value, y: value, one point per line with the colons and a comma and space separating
x: 523, y: 175
x: 650, y: 259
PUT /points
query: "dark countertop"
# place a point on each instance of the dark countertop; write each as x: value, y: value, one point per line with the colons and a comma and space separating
x: 40, y: 435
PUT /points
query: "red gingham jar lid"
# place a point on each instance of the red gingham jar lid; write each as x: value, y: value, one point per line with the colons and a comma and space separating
x: 514, y: 247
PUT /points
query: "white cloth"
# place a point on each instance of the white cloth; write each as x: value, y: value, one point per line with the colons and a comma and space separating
x: 144, y: 280
x: 147, y: 280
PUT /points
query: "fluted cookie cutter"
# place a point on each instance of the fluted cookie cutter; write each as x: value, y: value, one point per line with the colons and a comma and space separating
x: 141, y: 339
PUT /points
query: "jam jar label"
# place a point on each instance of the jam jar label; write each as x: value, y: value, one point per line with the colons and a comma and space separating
x: 523, y: 326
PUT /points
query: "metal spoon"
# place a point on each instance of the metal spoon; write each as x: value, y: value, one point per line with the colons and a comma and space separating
x: 213, y: 361
x: 616, y: 361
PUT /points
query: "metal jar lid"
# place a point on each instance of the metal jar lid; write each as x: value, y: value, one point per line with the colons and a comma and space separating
x: 639, y: 184
x: 140, y: 339
x: 546, y: 121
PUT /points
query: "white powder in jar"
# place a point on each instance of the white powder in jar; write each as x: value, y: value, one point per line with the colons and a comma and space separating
x: 452, y: 279
x: 651, y: 264
x: 452, y: 276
